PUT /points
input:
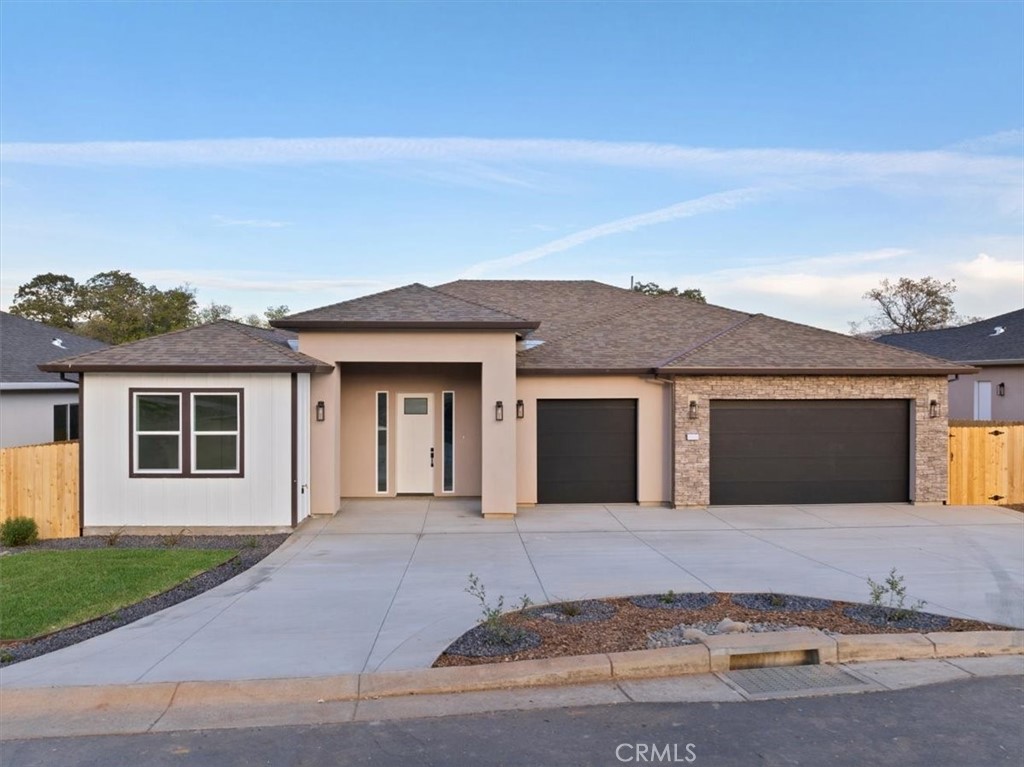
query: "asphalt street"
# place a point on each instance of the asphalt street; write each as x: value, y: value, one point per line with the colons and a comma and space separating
x: 973, y: 722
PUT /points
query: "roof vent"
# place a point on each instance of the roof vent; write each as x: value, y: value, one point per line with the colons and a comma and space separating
x: 293, y: 344
x: 999, y: 331
x: 58, y: 343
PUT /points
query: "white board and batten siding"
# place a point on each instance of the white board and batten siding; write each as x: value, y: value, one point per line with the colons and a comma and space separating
x: 262, y: 498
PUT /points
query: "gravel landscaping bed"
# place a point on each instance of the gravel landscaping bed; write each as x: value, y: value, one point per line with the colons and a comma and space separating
x: 585, y: 611
x: 674, y: 601
x: 251, y: 549
x: 780, y: 602
x: 886, y: 617
x: 481, y: 642
x: 645, y: 621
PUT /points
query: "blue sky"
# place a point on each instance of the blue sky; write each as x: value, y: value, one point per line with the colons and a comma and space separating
x: 783, y: 158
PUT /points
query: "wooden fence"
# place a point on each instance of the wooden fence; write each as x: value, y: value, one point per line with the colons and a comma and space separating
x: 986, y: 464
x: 41, y: 482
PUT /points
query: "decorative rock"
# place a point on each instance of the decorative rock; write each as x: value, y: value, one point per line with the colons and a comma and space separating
x: 694, y: 635
x: 729, y: 626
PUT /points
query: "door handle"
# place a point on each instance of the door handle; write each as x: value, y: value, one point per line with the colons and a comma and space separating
x: 431, y: 458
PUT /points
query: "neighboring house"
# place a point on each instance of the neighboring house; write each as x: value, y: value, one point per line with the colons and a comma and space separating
x: 37, y: 407
x: 994, y: 346
x: 516, y: 392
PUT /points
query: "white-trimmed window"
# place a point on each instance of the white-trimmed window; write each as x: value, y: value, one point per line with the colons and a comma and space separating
x: 156, y: 421
x: 216, y: 433
x: 187, y: 433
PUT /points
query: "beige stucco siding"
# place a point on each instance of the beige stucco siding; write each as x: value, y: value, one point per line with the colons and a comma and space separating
x: 359, y: 386
x: 262, y: 498
x: 494, y: 351
x: 1009, y: 407
x: 654, y: 427
x: 929, y: 459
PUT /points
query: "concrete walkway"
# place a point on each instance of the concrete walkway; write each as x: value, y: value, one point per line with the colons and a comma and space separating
x: 380, y: 586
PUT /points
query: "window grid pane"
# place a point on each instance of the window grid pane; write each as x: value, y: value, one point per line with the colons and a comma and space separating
x: 215, y: 412
x: 158, y: 412
x: 60, y: 423
x: 158, y: 452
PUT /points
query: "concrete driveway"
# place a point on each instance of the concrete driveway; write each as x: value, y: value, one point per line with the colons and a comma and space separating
x: 380, y: 586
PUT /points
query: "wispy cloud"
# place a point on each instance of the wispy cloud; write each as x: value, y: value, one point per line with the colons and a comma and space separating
x: 275, y: 151
x: 711, y: 203
x: 267, y: 282
x: 994, y: 142
x: 252, y: 223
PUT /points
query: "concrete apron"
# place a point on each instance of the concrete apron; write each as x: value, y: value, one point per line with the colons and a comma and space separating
x: 690, y: 673
x: 380, y: 586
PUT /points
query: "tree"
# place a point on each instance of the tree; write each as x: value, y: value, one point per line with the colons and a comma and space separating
x: 215, y: 312
x: 909, y: 306
x: 113, y: 306
x: 50, y: 298
x: 654, y: 289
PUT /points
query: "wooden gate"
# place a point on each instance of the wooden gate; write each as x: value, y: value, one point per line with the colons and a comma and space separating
x: 986, y: 464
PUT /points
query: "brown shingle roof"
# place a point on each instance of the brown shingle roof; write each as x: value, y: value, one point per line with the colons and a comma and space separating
x: 768, y: 345
x: 221, y: 346
x: 411, y: 306
x: 561, y: 306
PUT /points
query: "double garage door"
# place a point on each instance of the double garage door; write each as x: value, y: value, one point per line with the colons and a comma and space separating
x: 810, y: 451
x: 762, y: 452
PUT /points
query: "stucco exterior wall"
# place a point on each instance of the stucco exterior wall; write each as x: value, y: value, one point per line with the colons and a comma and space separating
x: 262, y: 498
x: 26, y: 417
x: 1009, y: 407
x: 929, y: 436
x: 654, y: 428
x: 495, y: 352
x: 359, y: 386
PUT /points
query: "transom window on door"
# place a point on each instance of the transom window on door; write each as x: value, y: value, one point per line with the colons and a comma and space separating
x: 187, y: 433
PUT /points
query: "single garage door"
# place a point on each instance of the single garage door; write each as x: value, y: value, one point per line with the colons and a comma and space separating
x: 586, y: 451
x: 810, y: 451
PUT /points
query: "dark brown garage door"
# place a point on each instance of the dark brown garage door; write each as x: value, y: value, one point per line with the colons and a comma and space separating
x: 586, y: 451
x: 810, y: 451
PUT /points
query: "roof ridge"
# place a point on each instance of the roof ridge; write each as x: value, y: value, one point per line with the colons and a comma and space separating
x: 126, y: 344
x: 476, y: 303
x: 709, y: 340
x: 350, y: 300
x: 241, y: 327
x: 604, y: 318
x: 983, y: 321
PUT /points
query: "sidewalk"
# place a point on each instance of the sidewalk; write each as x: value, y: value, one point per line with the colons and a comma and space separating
x: 166, y: 707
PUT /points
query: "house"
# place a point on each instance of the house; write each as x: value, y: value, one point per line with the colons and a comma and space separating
x: 994, y: 346
x: 37, y: 407
x: 514, y: 392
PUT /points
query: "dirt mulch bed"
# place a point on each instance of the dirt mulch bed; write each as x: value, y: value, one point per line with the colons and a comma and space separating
x: 629, y: 625
x: 251, y: 549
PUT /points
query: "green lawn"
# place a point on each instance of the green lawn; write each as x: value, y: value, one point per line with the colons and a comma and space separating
x: 42, y: 591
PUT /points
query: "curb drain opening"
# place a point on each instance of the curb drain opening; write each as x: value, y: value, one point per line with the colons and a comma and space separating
x: 773, y: 659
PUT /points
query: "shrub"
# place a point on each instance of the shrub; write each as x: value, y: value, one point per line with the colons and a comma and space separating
x: 19, y: 531
x: 494, y: 619
x: 114, y: 536
x: 891, y: 595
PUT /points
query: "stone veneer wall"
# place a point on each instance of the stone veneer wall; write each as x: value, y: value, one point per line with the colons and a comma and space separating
x: 929, y: 445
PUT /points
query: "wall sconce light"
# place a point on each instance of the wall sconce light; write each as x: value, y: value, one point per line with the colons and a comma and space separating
x: 499, y: 411
x: 320, y: 410
x: 692, y: 410
x: 933, y: 409
x: 520, y: 409
x: 1001, y: 390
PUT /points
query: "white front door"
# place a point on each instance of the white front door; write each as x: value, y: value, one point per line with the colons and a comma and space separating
x: 982, y: 400
x: 414, y: 469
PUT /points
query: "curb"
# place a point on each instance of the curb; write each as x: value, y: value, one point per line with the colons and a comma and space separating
x: 139, y: 707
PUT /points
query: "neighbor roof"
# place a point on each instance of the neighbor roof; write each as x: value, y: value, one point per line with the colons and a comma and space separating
x: 998, y: 340
x: 24, y: 344
x: 413, y: 306
x: 222, y: 346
